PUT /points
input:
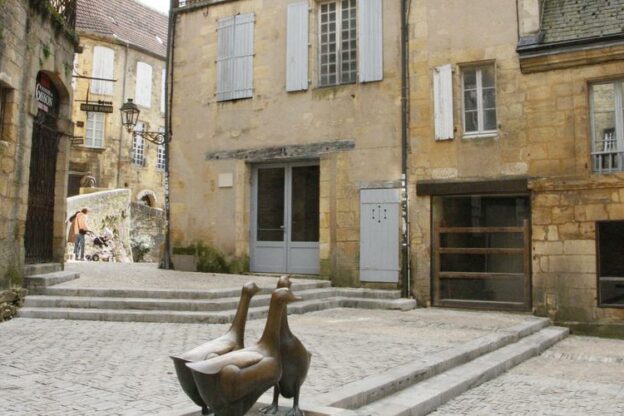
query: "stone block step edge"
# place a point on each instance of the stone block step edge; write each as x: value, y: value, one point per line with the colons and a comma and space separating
x: 223, y: 317
x: 423, y: 398
x: 42, y: 268
x: 49, y: 279
x: 376, y: 387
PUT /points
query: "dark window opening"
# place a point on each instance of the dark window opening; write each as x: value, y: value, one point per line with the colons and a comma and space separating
x: 4, y: 92
x: 611, y: 263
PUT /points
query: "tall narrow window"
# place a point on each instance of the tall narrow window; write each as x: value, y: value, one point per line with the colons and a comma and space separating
x: 338, y: 42
x: 607, y: 106
x: 143, y: 92
x: 160, y: 153
x: 3, y: 103
x: 94, y: 136
x: 138, y: 147
x: 103, y: 69
x: 235, y: 57
x: 610, y: 263
x: 479, y: 99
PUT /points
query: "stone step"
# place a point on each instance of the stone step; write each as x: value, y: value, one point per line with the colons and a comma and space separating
x: 426, y: 396
x: 42, y: 268
x: 90, y: 302
x: 376, y: 387
x: 126, y: 315
x: 41, y: 281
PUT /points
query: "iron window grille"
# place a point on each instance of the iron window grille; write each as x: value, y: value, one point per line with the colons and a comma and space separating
x: 337, y: 42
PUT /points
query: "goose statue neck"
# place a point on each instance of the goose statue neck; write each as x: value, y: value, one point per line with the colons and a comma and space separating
x: 240, y: 319
x: 271, y: 336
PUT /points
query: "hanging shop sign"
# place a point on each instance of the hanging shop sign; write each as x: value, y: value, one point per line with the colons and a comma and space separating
x: 97, y: 107
x: 44, y: 96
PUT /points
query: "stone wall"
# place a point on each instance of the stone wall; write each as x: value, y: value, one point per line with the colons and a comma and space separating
x: 29, y: 43
x: 107, y: 209
x: 150, y: 223
x: 112, y: 165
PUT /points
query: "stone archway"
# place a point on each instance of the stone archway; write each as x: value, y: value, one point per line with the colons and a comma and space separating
x: 147, y: 197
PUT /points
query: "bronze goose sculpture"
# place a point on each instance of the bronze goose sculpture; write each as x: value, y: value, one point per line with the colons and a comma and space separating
x: 232, y: 340
x: 295, y: 364
x: 231, y: 384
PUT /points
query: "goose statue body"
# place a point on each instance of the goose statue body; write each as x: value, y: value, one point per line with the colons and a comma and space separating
x: 230, y: 384
x: 295, y: 364
x: 231, y: 341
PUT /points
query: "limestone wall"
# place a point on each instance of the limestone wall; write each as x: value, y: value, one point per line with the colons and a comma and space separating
x: 29, y: 43
x: 148, y: 224
x: 112, y: 165
x: 107, y: 209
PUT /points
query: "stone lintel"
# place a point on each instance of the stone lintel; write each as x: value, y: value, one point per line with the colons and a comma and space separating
x: 287, y: 152
x: 596, y: 181
x: 508, y: 185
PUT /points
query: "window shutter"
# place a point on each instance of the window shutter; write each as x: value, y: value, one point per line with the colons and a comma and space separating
x: 371, y: 40
x: 297, y: 47
x: 443, y: 102
x: 225, y: 56
x: 163, y: 90
x: 143, y: 92
x: 103, y: 67
x: 244, y: 51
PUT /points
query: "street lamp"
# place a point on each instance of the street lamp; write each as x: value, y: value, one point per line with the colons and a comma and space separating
x: 129, y: 118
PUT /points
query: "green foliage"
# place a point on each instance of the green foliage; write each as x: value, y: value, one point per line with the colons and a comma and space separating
x: 212, y: 260
x: 15, y: 277
x: 46, y: 50
x: 188, y: 251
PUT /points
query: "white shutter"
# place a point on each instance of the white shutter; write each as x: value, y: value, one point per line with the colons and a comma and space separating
x: 370, y: 17
x: 297, y: 47
x: 103, y: 67
x: 163, y: 90
x: 244, y: 51
x: 143, y: 91
x: 225, y: 56
x: 443, y: 102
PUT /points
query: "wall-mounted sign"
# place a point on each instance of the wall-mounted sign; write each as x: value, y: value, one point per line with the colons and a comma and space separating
x: 97, y: 107
x: 45, y: 99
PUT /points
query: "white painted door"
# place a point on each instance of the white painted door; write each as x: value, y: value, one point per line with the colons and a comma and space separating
x: 285, y: 219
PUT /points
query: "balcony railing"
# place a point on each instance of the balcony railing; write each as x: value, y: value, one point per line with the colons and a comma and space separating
x: 67, y: 10
x: 608, y: 161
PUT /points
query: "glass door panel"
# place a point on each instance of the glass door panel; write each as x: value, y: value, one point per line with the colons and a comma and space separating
x: 305, y: 204
x: 270, y: 221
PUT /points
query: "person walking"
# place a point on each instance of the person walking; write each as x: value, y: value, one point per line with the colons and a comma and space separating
x: 77, y: 232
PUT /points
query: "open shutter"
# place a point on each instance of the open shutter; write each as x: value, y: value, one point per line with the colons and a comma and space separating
x: 297, y: 47
x: 225, y: 56
x: 244, y: 51
x: 371, y: 40
x: 103, y: 67
x: 443, y: 102
x: 143, y: 91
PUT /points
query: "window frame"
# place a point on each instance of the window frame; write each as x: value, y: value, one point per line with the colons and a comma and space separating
x: 92, y: 143
x: 161, y: 161
x: 480, y: 132
x: 618, y: 110
x: 599, y: 302
x: 338, y: 73
x: 138, y: 146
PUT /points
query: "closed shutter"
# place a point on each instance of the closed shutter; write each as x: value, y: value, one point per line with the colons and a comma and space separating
x: 371, y: 40
x: 163, y: 90
x: 297, y: 47
x: 143, y: 92
x: 443, y: 102
x: 235, y: 57
x: 103, y: 67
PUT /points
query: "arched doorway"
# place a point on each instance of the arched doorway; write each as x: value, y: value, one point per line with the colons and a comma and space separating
x: 39, y: 235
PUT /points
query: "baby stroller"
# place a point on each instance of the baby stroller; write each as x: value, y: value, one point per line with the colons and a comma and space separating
x: 102, y: 245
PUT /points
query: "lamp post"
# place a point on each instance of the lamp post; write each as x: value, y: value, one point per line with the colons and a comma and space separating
x: 129, y: 118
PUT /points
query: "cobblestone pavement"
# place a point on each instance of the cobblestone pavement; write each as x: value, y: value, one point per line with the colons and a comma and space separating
x: 148, y: 276
x: 56, y: 367
x: 578, y: 376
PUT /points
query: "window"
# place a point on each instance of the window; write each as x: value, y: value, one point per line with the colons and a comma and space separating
x: 104, y: 68
x: 138, y: 147
x: 610, y: 235
x: 235, y: 57
x: 160, y: 153
x: 4, y: 92
x: 163, y: 90
x: 94, y: 136
x: 338, y: 42
x: 143, y: 92
x: 479, y: 100
x: 607, y: 118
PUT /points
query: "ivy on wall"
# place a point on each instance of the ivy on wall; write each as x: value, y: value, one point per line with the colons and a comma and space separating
x: 46, y: 11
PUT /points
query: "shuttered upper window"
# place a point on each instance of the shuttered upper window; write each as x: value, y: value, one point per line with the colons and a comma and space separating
x: 143, y: 91
x: 103, y: 69
x: 138, y: 147
x: 94, y: 136
x: 443, y: 102
x: 235, y: 57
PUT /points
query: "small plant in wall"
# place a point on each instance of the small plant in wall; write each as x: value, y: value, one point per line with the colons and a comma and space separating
x: 141, y: 245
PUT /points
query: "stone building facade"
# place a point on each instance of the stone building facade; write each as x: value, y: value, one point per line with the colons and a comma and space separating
x: 118, y: 45
x: 37, y: 45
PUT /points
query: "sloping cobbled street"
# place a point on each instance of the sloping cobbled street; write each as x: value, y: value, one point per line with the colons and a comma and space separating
x: 57, y: 367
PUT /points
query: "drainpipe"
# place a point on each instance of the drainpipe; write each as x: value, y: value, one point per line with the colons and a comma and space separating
x: 173, y: 4
x: 405, y: 119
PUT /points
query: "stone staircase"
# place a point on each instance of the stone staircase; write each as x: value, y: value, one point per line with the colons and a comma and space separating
x: 46, y: 274
x: 191, y: 306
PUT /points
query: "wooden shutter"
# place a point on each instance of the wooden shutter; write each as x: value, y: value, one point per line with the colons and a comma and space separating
x: 244, y: 51
x: 143, y: 92
x: 225, y: 56
x: 370, y: 17
x: 163, y: 90
x: 103, y: 67
x: 297, y: 47
x: 443, y: 102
